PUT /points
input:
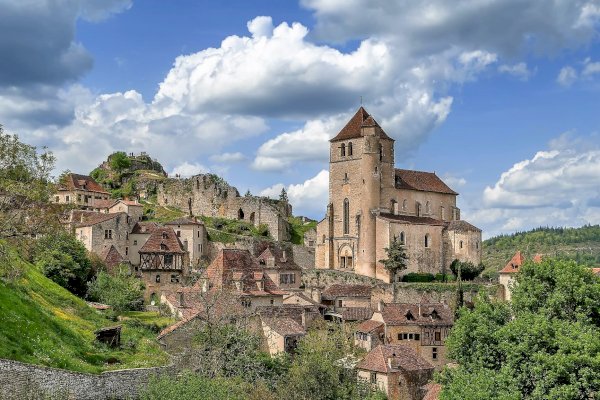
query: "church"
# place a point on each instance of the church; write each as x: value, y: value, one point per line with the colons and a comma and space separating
x: 371, y: 203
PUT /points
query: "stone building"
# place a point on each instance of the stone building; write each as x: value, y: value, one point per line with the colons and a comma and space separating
x: 347, y: 302
x: 80, y: 190
x: 98, y: 231
x: 423, y: 326
x: 138, y: 236
x: 371, y: 202
x: 396, y: 370
x: 192, y: 234
x: 211, y: 196
x: 281, y: 268
x: 164, y: 263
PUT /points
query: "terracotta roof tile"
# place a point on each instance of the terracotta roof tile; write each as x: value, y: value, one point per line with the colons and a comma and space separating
x: 404, y: 359
x: 82, y: 182
x: 93, y: 218
x: 352, y: 130
x: 185, y: 221
x: 163, y: 240
x: 417, y: 314
x: 281, y: 260
x: 514, y: 264
x: 462, y: 226
x: 284, y: 326
x: 104, y: 203
x: 112, y: 258
x: 420, y: 180
x: 342, y: 290
x: 369, y: 326
x: 596, y: 271
x: 411, y: 219
x: 432, y: 391
x: 144, y: 227
x: 132, y: 203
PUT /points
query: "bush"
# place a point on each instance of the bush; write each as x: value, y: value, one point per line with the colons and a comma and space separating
x: 123, y: 292
x: 444, y: 278
x: 468, y: 270
x: 418, y: 277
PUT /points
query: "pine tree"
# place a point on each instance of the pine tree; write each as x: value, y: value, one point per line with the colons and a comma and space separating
x: 283, y: 196
x: 397, y: 260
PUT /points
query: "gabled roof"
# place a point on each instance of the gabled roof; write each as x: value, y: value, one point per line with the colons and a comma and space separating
x: 411, y: 219
x: 512, y: 267
x: 342, y: 290
x: 163, y: 240
x: 285, y: 326
x: 357, y: 313
x: 353, y: 130
x: 131, y: 203
x: 422, y: 181
x: 369, y: 326
x: 93, y: 218
x: 185, y: 221
x: 281, y: 261
x: 417, y: 314
x: 144, y: 227
x: 82, y: 182
x: 461, y: 226
x: 404, y: 359
x: 111, y: 257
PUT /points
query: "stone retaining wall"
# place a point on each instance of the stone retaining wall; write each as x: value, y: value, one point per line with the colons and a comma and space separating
x: 27, y: 381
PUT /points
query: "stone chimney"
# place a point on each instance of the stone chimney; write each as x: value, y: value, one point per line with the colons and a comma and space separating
x: 393, y: 362
x: 284, y: 256
x: 380, y: 306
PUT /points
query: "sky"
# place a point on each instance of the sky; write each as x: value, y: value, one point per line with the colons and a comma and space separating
x: 499, y: 97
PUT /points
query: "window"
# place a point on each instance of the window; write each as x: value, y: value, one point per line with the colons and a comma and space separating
x: 200, y: 247
x: 157, y: 279
x: 402, y: 238
x: 460, y: 244
x: 174, y: 278
x: 272, y: 301
x: 168, y: 259
x: 427, y: 240
x: 346, y: 217
x: 311, y: 243
x: 198, y: 233
x: 246, y: 303
x: 346, y: 177
x: 79, y: 198
x: 434, y: 353
x: 164, y: 235
x: 126, y: 251
x: 323, y: 239
x: 67, y: 198
x: 340, y: 303
x: 163, y: 246
x: 108, y: 234
x: 343, y: 150
x: 404, y: 204
x: 380, y: 152
x: 287, y: 278
x: 178, y: 233
x: 417, y: 336
x: 438, y: 336
x: 57, y: 199
x: 350, y: 148
x: 477, y: 244
x: 373, y: 377
x: 240, y: 214
x: 135, y: 242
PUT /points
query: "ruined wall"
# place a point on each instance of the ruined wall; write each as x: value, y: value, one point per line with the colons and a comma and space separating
x: 27, y: 381
x: 211, y: 196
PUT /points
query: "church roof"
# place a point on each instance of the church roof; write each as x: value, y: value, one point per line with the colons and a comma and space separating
x: 462, y: 226
x: 353, y: 130
x: 420, y: 180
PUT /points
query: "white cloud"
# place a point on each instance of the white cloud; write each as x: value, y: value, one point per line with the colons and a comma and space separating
x: 567, y: 76
x: 228, y: 158
x: 590, y: 69
x: 519, y: 70
x: 454, y: 181
x: 185, y: 170
x: 309, y: 197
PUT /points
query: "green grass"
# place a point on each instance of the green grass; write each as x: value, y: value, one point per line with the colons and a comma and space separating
x: 157, y: 213
x: 226, y: 230
x: 299, y: 228
x: 43, y: 323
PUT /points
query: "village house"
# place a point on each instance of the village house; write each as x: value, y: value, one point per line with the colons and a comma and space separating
x: 423, y: 327
x: 280, y: 268
x: 506, y: 276
x: 131, y: 207
x: 138, y: 236
x: 164, y: 263
x: 192, y: 234
x: 347, y: 302
x: 113, y: 260
x: 98, y: 232
x: 80, y: 190
x: 396, y: 370
x: 371, y: 203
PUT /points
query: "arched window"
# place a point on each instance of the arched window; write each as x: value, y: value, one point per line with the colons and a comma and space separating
x: 477, y: 244
x: 460, y: 244
x: 350, y: 148
x: 343, y: 150
x: 402, y: 238
x: 394, y: 206
x: 323, y: 239
x: 240, y: 214
x: 427, y: 240
x: 346, y: 217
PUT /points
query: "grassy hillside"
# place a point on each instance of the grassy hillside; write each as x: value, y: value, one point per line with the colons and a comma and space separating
x: 579, y: 244
x: 42, y: 323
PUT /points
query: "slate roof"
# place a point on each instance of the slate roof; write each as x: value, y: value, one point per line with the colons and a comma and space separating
x: 82, y: 182
x: 163, y: 240
x: 93, y: 218
x: 185, y: 221
x: 144, y: 227
x: 342, y: 290
x: 284, y: 326
x: 281, y: 262
x: 395, y: 314
x: 422, y: 181
x: 411, y: 219
x: 352, y: 130
x: 462, y: 226
x: 369, y: 326
x: 406, y: 359
x: 512, y: 267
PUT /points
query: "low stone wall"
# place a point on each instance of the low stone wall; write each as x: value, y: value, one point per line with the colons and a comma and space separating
x: 27, y: 381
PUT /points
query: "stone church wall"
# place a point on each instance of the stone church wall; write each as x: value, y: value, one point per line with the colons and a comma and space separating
x: 27, y: 381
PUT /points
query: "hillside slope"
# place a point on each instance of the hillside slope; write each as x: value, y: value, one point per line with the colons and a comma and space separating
x: 579, y: 244
x: 43, y: 323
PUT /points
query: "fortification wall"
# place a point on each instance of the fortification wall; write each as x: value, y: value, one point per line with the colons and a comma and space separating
x: 27, y: 381
x: 211, y: 196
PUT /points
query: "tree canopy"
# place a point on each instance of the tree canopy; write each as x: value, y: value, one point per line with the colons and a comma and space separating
x: 396, y: 260
x: 119, y: 161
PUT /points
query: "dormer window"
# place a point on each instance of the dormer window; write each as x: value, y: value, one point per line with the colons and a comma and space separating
x: 164, y: 235
x: 163, y: 246
x: 409, y: 316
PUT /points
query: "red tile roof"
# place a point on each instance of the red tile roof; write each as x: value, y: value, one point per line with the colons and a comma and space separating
x: 596, y: 271
x: 404, y: 359
x: 357, y: 313
x: 132, y: 203
x: 342, y: 290
x: 369, y: 326
x: 82, y: 182
x: 112, y: 258
x: 417, y: 314
x: 284, y: 326
x: 353, y: 130
x: 514, y: 264
x: 104, y: 203
x: 462, y: 226
x: 422, y: 181
x: 93, y: 218
x: 163, y: 240
x: 281, y: 261
x: 144, y: 227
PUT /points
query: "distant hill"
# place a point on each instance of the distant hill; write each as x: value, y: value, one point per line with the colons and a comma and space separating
x: 43, y: 323
x: 579, y: 244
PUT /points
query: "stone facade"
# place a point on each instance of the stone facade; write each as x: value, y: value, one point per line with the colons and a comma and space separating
x: 192, y: 234
x: 371, y: 203
x: 210, y: 196
x: 98, y: 232
x: 82, y: 191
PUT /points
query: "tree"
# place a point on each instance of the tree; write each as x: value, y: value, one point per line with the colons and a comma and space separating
x: 468, y: 270
x: 283, y: 196
x: 397, y: 260
x: 123, y: 292
x: 65, y: 260
x: 119, y: 161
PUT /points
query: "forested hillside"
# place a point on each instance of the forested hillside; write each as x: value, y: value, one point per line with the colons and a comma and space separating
x: 579, y: 244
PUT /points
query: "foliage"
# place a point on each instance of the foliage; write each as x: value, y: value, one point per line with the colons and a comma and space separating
x: 283, y: 197
x: 396, y: 257
x: 299, y: 228
x: 225, y: 230
x: 119, y: 161
x: 43, y: 323
x: 65, y: 260
x: 468, y: 270
x: 123, y: 292
x: 545, y: 345
x: 418, y: 277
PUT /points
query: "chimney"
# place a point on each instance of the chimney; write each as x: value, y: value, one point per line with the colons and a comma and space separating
x: 393, y: 362
x: 284, y: 256
x: 304, y: 318
x: 316, y: 295
x: 181, y: 299
x: 380, y: 306
x: 419, y: 309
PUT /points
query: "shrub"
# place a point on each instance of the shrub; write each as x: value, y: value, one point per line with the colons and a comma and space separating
x: 418, y: 277
x: 468, y: 270
x: 123, y: 292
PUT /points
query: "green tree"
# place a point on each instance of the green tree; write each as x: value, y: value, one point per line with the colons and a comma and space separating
x: 65, y: 260
x: 119, y: 161
x: 468, y: 270
x: 396, y: 260
x: 283, y: 196
x: 123, y: 292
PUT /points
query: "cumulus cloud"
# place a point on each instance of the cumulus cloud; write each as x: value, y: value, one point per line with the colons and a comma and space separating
x: 309, y: 197
x: 566, y: 76
x: 454, y: 181
x: 185, y: 170
x: 228, y: 158
x: 519, y: 70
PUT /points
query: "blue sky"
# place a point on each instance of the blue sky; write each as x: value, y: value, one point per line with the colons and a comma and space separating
x: 499, y: 98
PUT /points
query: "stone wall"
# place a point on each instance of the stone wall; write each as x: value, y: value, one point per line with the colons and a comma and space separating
x: 27, y: 381
x: 211, y: 196
x: 304, y: 256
